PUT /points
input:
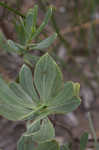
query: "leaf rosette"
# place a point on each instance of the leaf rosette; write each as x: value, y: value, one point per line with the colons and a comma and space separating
x: 36, y: 99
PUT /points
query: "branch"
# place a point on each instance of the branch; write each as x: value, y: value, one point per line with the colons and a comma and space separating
x: 77, y: 28
x: 11, y: 9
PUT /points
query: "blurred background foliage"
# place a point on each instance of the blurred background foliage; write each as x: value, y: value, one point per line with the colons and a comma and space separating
x: 76, y: 50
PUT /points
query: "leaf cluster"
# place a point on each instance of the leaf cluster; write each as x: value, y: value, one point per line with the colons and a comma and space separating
x: 27, y: 31
x: 36, y: 99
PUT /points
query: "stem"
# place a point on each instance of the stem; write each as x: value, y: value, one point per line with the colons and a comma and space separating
x: 33, y: 112
x: 56, y: 28
x: 92, y: 129
x: 11, y: 9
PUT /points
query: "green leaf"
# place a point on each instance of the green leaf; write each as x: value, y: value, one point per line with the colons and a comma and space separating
x: 83, y: 141
x: 31, y: 20
x: 45, y: 133
x: 44, y: 23
x: 26, y: 82
x: 10, y: 104
x: 44, y: 44
x: 15, y: 47
x: 3, y: 43
x: 25, y: 143
x: 6, y: 94
x: 76, y: 89
x: 96, y: 144
x: 17, y: 89
x: 47, y: 78
x: 20, y: 30
x: 12, y: 112
x: 32, y: 127
x: 66, y: 101
x: 52, y: 145
x: 65, y: 147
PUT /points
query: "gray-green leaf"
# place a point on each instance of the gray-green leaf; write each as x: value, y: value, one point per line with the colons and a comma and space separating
x: 27, y: 100
x: 64, y: 147
x: 67, y: 99
x: 26, y: 82
x: 45, y: 133
x: 25, y: 143
x: 31, y: 20
x: 47, y: 78
x: 44, y: 23
x: 52, y: 145
x: 43, y: 44
x: 15, y: 47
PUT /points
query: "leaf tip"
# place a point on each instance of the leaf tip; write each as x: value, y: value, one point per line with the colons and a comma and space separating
x: 24, y: 66
x: 76, y: 89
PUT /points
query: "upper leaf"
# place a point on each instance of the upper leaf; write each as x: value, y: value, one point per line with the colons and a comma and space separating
x: 44, y: 23
x: 20, y: 30
x: 47, y: 78
x: 30, y: 21
x: 43, y: 44
x: 15, y: 47
x: 3, y: 43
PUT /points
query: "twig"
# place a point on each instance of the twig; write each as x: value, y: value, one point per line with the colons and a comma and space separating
x: 93, y: 130
x: 64, y: 127
x: 77, y: 28
x: 11, y: 9
x: 57, y: 123
x: 56, y: 29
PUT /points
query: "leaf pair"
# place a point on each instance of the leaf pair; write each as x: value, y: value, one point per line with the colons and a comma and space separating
x: 40, y: 134
x: 37, y: 99
x: 27, y: 143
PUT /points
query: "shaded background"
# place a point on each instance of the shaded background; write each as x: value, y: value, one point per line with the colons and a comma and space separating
x: 76, y: 50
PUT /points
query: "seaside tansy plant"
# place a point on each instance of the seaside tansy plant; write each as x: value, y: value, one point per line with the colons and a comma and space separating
x: 35, y: 99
